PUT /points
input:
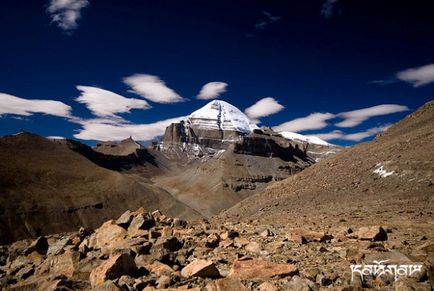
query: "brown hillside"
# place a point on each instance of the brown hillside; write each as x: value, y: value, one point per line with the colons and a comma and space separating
x: 345, y: 187
x: 47, y: 187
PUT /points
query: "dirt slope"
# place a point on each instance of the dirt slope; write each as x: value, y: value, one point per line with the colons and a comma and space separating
x: 224, y: 180
x: 346, y: 187
x: 45, y: 188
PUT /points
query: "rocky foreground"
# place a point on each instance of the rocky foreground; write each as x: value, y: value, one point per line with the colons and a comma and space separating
x: 148, y: 251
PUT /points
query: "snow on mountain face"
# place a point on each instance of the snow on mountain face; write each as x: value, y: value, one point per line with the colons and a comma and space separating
x: 221, y: 115
x: 309, y: 139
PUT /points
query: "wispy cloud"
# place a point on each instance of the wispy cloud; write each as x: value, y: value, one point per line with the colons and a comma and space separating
x: 356, y: 117
x: 419, y: 76
x: 312, y: 121
x: 358, y: 136
x: 212, y: 90
x: 104, y: 103
x: 152, y: 88
x: 328, y: 8
x: 66, y: 13
x: 97, y: 130
x: 267, y: 19
x: 10, y: 104
x: 264, y: 107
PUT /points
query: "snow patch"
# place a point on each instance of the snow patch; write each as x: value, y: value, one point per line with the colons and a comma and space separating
x: 55, y: 137
x: 221, y: 115
x: 304, y: 138
x: 380, y: 171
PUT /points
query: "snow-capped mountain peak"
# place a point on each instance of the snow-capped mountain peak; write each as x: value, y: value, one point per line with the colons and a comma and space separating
x: 304, y: 138
x: 221, y: 115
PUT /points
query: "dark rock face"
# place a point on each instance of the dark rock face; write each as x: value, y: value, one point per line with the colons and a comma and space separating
x: 184, y: 132
x: 179, y: 133
x: 259, y: 144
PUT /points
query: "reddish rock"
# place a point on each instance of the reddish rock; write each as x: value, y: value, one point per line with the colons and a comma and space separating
x: 114, y: 267
x: 64, y: 264
x: 107, y: 286
x: 200, y: 268
x: 257, y: 269
x: 253, y: 247
x: 226, y: 284
x: 142, y: 221
x: 125, y: 219
x: 108, y: 234
x: 372, y: 233
x: 302, y: 236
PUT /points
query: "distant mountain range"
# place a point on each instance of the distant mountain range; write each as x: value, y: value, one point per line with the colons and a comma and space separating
x: 204, y: 164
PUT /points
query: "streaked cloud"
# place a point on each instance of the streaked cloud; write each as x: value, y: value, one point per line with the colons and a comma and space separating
x: 356, y: 117
x: 66, y: 13
x: 97, y: 130
x: 10, y: 104
x: 104, y: 103
x: 419, y: 76
x: 358, y: 136
x: 264, y: 107
x: 312, y: 121
x: 268, y: 19
x: 328, y: 8
x: 212, y: 90
x: 152, y: 88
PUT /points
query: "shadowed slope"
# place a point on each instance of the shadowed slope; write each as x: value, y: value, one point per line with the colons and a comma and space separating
x: 47, y: 187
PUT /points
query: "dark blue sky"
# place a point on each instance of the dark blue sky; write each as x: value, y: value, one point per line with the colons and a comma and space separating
x: 309, y: 62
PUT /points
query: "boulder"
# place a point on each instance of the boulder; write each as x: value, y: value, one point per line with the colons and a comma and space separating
x: 200, y: 268
x: 212, y: 241
x: 64, y: 264
x: 107, y: 286
x: 226, y: 284
x: 40, y: 245
x: 58, y: 247
x: 230, y: 234
x: 372, y: 233
x: 125, y: 219
x: 114, y: 267
x: 258, y: 269
x: 107, y: 234
x: 253, y: 247
x: 142, y: 221
x: 300, y: 284
x: 170, y: 243
x: 302, y: 236
x: 267, y: 286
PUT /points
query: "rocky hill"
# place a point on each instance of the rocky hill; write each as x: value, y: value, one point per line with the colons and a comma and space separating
x: 377, y: 178
x: 47, y: 187
x: 122, y: 148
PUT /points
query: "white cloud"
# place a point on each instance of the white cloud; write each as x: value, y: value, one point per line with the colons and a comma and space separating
x: 417, y: 76
x: 97, y: 130
x: 19, y: 106
x: 312, y: 121
x: 212, y: 90
x: 264, y: 107
x: 356, y: 117
x: 328, y: 7
x: 104, y: 103
x: 152, y: 88
x: 358, y: 136
x: 66, y: 13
